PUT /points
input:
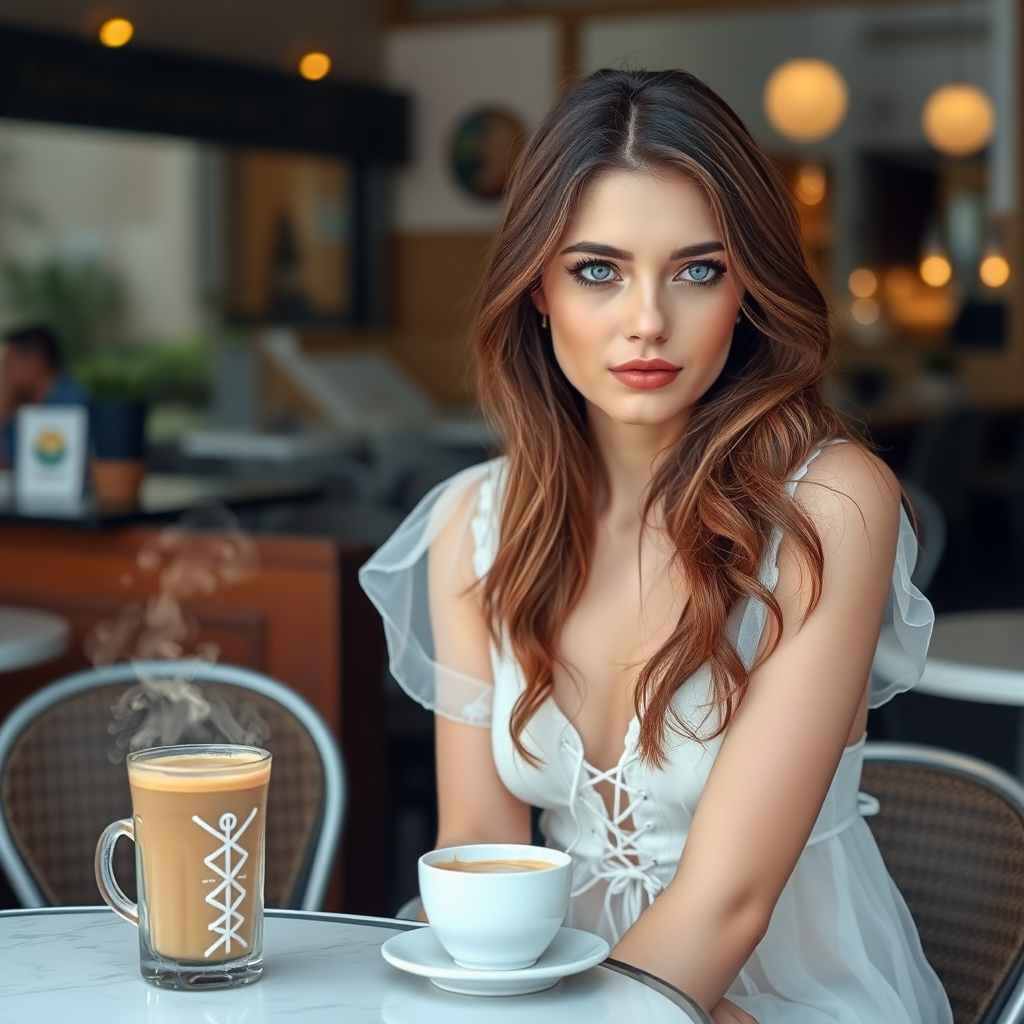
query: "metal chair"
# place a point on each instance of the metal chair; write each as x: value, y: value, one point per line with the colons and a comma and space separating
x: 951, y: 833
x: 59, y: 788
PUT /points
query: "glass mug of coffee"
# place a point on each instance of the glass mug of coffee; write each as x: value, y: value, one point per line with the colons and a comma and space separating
x: 199, y: 822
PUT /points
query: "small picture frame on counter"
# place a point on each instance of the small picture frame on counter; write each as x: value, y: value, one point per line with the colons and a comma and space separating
x: 52, y: 445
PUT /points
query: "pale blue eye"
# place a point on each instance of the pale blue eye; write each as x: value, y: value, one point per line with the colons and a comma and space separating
x: 700, y: 272
x: 597, y: 272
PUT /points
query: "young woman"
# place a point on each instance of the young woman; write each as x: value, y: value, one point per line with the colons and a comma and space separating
x: 655, y: 616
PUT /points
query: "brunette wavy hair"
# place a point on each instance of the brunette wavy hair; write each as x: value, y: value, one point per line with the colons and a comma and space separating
x: 721, y: 488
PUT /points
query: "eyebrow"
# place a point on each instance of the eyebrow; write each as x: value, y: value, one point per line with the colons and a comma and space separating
x: 609, y: 251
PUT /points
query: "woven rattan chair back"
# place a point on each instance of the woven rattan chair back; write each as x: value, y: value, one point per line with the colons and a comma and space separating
x: 59, y: 788
x: 951, y: 832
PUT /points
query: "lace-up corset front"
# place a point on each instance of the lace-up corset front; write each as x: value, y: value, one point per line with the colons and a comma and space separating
x: 624, y: 864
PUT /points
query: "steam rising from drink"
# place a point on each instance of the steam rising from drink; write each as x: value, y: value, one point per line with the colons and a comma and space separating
x: 202, y: 555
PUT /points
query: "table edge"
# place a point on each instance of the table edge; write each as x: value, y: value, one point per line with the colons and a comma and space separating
x: 944, y: 677
x: 663, y: 988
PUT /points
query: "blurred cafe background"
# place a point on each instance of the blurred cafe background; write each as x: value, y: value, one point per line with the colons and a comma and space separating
x: 255, y: 230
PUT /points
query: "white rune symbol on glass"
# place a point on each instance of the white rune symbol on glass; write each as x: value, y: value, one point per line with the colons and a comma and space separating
x: 227, y: 896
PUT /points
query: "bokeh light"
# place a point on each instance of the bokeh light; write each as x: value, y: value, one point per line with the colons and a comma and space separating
x: 116, y: 32
x: 862, y: 283
x: 936, y: 270
x: 810, y: 184
x: 314, y: 66
x: 805, y: 99
x: 958, y: 119
x: 994, y: 270
x: 865, y: 311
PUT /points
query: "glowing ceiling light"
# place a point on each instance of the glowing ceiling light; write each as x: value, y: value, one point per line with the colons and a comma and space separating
x: 810, y: 184
x: 115, y: 32
x: 994, y: 270
x: 958, y: 119
x: 936, y: 270
x: 805, y: 99
x: 314, y: 66
x: 862, y: 283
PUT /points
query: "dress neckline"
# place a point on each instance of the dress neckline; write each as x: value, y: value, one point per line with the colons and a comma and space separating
x: 628, y: 743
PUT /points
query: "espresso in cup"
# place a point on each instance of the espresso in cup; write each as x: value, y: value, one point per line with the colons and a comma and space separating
x: 198, y: 822
x: 495, y: 907
x: 492, y: 867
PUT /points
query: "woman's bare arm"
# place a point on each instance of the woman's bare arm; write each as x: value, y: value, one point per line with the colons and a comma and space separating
x: 473, y: 804
x: 784, y: 743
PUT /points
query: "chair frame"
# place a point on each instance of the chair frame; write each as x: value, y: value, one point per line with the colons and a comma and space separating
x: 1008, y: 1005
x: 329, y: 831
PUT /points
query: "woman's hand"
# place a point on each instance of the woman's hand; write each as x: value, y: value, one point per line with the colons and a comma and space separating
x: 727, y: 1012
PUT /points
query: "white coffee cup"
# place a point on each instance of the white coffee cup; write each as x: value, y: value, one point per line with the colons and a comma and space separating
x: 500, y: 921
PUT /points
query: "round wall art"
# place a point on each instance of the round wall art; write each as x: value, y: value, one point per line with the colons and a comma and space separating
x: 483, y: 150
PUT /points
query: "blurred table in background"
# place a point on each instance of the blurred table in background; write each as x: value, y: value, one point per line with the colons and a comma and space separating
x: 162, y: 497
x: 974, y: 656
x: 30, y: 637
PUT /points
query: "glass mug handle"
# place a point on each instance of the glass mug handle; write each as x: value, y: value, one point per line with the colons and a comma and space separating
x: 109, y: 889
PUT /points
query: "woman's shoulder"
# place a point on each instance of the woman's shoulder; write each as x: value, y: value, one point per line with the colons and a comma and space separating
x: 845, y: 483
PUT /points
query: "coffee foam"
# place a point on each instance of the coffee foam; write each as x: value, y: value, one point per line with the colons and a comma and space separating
x: 200, y: 773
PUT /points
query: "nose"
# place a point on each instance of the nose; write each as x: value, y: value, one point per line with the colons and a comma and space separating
x: 647, y: 320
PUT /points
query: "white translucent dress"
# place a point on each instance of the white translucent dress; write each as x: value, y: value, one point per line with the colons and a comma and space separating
x: 841, y: 946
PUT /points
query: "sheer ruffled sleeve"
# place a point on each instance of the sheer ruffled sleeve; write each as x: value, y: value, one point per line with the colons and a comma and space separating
x: 395, y: 579
x: 910, y: 614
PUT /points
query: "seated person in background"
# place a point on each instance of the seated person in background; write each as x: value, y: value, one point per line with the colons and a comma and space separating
x: 31, y: 373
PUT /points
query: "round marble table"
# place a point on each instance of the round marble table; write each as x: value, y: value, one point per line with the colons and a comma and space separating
x: 81, y: 964
x: 29, y: 637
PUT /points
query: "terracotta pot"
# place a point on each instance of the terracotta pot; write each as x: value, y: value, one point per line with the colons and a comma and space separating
x: 117, y: 481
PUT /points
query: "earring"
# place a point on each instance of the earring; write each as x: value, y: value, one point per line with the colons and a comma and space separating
x: 740, y: 316
x: 544, y: 321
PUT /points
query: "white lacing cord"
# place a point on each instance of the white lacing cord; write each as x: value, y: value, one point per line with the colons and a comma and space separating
x: 622, y: 864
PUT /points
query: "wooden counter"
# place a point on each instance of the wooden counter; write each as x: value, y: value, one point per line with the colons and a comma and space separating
x: 301, y: 619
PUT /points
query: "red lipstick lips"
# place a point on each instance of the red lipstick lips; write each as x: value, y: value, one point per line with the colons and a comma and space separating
x: 646, y: 374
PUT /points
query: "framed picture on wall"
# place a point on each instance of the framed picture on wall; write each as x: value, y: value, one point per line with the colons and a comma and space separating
x: 290, y: 238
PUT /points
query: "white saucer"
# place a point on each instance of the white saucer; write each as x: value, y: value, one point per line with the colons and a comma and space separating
x: 419, y: 952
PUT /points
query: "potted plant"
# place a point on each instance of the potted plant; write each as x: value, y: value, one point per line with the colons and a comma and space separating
x: 119, y: 391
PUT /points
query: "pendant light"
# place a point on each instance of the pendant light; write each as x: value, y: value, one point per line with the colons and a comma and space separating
x: 958, y: 118
x: 935, y: 267
x: 994, y: 267
x: 805, y: 99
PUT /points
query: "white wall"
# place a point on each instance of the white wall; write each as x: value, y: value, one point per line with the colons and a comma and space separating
x: 450, y: 70
x: 891, y: 56
x: 127, y: 200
